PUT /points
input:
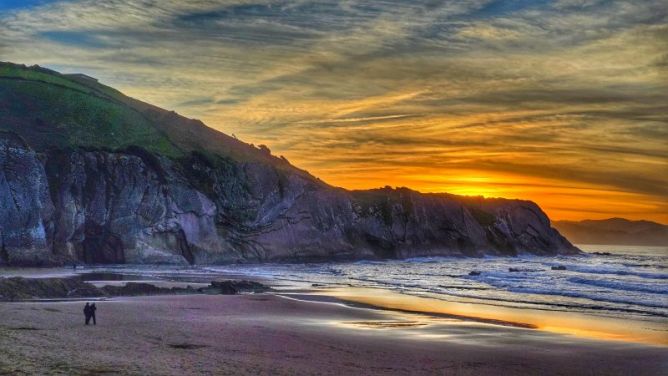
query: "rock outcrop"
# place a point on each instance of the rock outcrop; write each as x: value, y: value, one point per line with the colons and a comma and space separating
x: 234, y: 287
x: 22, y: 289
x: 18, y: 288
x: 187, y: 194
x: 26, y: 210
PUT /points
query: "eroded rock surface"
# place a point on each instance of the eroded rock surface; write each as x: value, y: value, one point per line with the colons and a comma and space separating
x: 26, y: 210
x: 133, y: 206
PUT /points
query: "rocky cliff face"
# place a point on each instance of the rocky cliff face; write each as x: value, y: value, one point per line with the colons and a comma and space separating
x: 89, y: 175
x: 26, y: 210
x: 133, y: 206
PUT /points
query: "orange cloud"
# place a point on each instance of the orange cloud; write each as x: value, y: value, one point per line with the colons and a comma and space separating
x: 562, y: 104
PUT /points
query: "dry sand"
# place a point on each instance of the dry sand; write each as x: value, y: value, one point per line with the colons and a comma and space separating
x: 274, y: 335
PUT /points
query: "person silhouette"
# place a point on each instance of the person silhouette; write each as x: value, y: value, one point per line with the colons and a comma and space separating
x: 87, y: 312
x: 93, y: 308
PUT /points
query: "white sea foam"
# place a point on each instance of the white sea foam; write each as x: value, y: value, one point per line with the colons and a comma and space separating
x: 621, y: 283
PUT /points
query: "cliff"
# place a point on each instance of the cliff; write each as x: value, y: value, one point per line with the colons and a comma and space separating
x: 90, y: 175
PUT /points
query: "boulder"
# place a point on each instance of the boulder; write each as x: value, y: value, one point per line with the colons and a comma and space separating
x: 141, y: 288
x: 18, y: 288
x: 233, y: 287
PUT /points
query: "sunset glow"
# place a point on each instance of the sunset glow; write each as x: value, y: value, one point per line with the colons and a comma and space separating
x: 564, y: 103
x: 574, y: 324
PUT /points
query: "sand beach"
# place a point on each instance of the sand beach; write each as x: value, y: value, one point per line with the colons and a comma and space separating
x: 270, y: 334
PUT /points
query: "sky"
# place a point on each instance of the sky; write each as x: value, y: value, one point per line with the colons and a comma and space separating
x: 561, y: 102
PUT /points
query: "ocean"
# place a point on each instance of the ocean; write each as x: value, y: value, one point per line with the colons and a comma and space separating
x: 618, y: 281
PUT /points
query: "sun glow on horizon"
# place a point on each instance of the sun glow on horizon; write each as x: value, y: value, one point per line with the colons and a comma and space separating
x: 562, y: 103
x: 560, y: 199
x: 552, y: 321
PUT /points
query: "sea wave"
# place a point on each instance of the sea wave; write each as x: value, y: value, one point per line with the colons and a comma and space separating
x: 623, y: 285
x: 628, y: 283
x: 619, y: 271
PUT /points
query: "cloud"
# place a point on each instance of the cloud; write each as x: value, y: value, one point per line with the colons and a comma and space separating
x: 544, y: 100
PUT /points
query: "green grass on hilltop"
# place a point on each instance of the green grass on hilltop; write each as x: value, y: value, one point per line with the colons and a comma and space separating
x: 51, y: 111
x: 38, y: 74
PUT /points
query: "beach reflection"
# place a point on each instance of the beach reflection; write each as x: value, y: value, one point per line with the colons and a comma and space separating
x: 650, y: 331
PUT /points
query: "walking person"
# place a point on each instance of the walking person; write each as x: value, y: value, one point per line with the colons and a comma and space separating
x: 87, y: 312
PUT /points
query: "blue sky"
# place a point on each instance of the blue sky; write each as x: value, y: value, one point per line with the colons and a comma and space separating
x: 15, y: 4
x: 564, y: 102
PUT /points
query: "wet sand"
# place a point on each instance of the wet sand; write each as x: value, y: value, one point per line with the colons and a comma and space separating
x: 274, y: 335
x: 647, y: 330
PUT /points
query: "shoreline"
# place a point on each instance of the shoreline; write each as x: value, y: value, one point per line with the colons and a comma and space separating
x: 270, y: 334
x: 650, y: 331
x: 364, y: 301
x: 314, y: 297
x: 643, y: 330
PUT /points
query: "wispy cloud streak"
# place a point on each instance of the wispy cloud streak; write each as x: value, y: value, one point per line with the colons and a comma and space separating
x: 562, y: 102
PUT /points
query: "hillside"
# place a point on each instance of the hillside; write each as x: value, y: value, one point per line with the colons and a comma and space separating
x: 615, y: 231
x: 55, y: 111
x: 88, y: 174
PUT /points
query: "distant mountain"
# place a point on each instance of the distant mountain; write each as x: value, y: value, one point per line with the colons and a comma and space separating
x: 614, y: 231
x: 88, y: 174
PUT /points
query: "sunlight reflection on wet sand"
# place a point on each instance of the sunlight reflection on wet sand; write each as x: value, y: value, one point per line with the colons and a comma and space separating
x: 649, y: 331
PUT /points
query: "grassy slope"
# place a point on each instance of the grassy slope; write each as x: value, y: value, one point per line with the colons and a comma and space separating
x: 51, y: 110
